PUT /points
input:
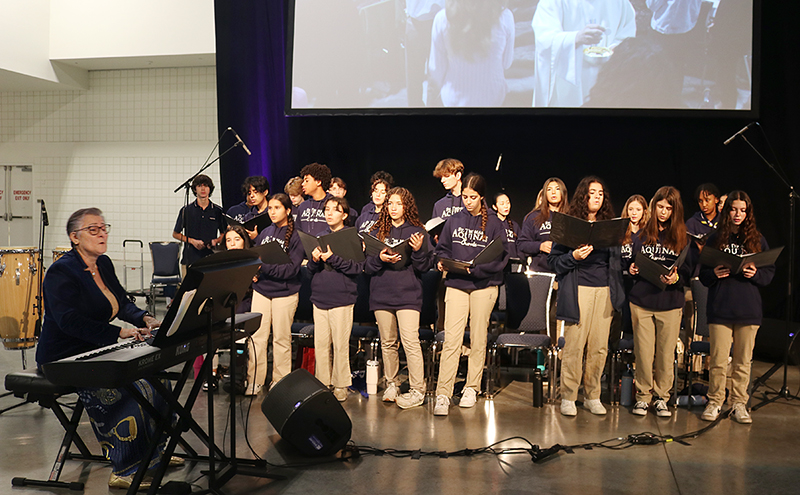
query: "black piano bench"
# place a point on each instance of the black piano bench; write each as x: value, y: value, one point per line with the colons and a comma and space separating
x: 32, y: 386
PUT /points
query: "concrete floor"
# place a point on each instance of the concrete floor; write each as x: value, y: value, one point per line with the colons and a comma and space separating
x: 730, y: 458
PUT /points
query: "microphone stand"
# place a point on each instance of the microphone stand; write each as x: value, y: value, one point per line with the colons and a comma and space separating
x: 783, y: 393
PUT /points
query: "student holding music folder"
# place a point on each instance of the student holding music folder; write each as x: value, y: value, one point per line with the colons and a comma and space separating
x: 590, y: 289
x: 395, y: 291
x: 734, y: 304
x: 335, y: 259
x: 656, y: 298
x: 82, y: 295
x: 534, y: 240
x: 471, y: 289
x: 275, y: 295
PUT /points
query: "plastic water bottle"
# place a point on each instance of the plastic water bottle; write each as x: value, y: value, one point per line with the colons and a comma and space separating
x: 372, y: 377
x: 626, y: 388
x: 537, y: 388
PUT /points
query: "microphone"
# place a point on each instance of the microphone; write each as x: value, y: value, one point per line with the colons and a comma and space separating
x: 728, y: 141
x: 45, y: 220
x: 244, y: 146
x: 499, y: 158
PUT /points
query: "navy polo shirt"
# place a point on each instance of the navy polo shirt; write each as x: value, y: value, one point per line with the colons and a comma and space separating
x: 204, y: 224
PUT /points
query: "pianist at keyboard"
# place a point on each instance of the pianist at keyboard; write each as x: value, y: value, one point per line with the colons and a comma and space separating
x: 82, y: 295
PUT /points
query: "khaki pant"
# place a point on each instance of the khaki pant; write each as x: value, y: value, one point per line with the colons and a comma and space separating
x: 459, y: 304
x: 590, y: 335
x: 277, y: 314
x: 655, y: 336
x: 743, y: 338
x: 332, y: 327
x: 407, y: 320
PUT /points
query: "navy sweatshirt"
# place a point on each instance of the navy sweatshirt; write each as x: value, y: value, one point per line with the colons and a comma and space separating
x: 698, y: 224
x: 284, y: 279
x: 462, y: 239
x: 238, y: 212
x: 367, y: 218
x: 735, y: 299
x: 448, y: 206
x: 512, y: 234
x: 334, y: 288
x: 646, y: 295
x: 311, y: 216
x: 392, y: 289
x: 602, y: 264
x: 531, y: 239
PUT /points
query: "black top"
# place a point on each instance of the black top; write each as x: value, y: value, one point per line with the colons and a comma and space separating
x: 204, y: 224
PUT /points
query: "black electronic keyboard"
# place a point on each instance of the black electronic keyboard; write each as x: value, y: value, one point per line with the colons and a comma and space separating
x: 124, y: 362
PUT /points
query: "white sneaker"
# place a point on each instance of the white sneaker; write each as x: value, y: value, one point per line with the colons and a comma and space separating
x: 740, y: 415
x: 711, y: 412
x: 253, y: 389
x: 442, y: 405
x: 640, y: 408
x: 390, y: 394
x: 411, y: 399
x: 568, y: 408
x: 468, y: 397
x: 340, y: 393
x: 594, y: 406
x: 661, y: 408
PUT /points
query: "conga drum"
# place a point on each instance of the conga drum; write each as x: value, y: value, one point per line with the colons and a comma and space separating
x: 19, y: 272
x: 59, y: 252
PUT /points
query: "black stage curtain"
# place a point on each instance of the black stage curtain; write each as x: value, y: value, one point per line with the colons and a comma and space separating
x: 633, y: 154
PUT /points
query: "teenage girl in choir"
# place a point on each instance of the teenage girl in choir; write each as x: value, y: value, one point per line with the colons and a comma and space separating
x: 463, y: 237
x: 656, y: 313
x: 333, y: 294
x: 590, y: 288
x: 395, y: 295
x: 371, y: 211
x: 734, y: 307
x: 275, y: 295
x: 502, y: 205
x: 534, y: 239
x: 635, y: 210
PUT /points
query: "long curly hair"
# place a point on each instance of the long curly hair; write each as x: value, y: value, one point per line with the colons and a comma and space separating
x: 543, y: 206
x: 579, y: 206
x: 287, y: 204
x: 674, y: 229
x: 747, y: 234
x: 410, y: 213
x: 636, y: 198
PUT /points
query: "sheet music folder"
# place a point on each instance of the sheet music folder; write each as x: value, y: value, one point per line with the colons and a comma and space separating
x: 651, y: 270
x: 344, y: 243
x: 714, y: 257
x: 574, y: 232
x: 271, y: 253
x: 490, y: 253
x: 261, y: 222
x: 374, y: 247
x: 209, y: 280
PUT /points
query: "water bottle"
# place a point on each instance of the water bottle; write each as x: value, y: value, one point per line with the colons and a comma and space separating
x: 626, y: 388
x: 538, y: 400
x: 372, y: 377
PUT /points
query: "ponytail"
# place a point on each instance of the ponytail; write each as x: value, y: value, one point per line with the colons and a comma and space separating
x: 289, y: 231
x: 484, y: 218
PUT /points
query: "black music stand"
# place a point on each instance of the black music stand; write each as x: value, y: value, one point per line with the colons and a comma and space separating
x: 216, y: 282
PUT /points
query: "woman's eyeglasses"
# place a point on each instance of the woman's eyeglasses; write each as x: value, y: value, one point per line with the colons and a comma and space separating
x: 95, y: 229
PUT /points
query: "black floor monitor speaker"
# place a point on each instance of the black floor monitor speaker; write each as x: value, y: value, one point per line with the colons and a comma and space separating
x: 307, y: 415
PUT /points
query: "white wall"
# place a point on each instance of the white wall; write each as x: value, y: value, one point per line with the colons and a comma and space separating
x: 25, y: 38
x: 130, y: 28
x: 122, y: 146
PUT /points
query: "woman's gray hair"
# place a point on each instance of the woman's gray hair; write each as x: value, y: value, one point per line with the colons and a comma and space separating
x: 76, y: 220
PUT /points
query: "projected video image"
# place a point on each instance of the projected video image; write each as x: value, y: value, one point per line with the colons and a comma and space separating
x: 617, y: 54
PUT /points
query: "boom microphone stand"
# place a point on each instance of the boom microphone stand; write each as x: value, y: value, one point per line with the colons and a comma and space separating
x: 783, y: 393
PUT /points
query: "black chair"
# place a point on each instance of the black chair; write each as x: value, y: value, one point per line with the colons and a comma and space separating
x: 32, y: 386
x: 697, y: 348
x: 166, y: 271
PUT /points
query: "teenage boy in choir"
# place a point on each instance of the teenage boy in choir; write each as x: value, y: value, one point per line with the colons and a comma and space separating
x: 449, y: 172
x: 311, y: 212
x: 204, y: 223
x: 238, y: 211
x: 257, y: 190
x: 705, y: 220
x: 372, y: 210
x: 338, y: 189
x: 294, y: 189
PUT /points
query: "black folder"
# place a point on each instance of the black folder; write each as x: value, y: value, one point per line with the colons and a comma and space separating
x: 651, y: 270
x: 261, y: 222
x: 434, y: 225
x: 715, y: 257
x: 344, y: 243
x: 700, y: 238
x: 574, y: 232
x: 272, y: 253
x: 374, y: 247
x: 490, y: 253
